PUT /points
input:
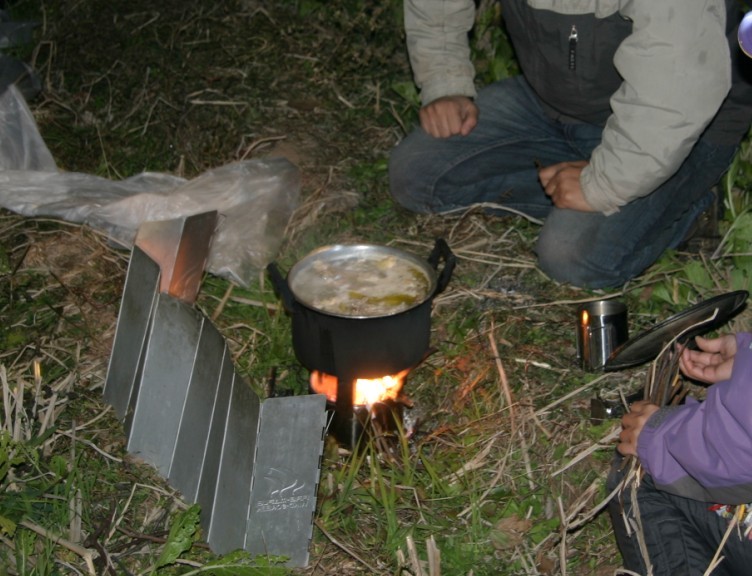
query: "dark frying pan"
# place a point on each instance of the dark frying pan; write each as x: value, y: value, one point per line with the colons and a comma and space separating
x: 699, y: 319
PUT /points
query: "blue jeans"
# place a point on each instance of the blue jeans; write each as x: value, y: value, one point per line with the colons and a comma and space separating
x: 495, y: 163
x: 681, y: 535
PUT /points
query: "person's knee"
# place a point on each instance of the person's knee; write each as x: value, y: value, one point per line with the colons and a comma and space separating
x: 576, y: 263
x: 399, y: 179
x: 560, y: 262
x: 407, y: 180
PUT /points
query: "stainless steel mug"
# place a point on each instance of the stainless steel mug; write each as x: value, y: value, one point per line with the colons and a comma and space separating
x: 601, y: 328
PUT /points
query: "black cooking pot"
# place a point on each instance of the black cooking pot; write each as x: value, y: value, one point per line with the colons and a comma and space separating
x: 349, y: 345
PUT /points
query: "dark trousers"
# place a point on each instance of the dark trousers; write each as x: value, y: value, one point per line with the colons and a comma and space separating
x: 681, y: 535
x: 495, y: 164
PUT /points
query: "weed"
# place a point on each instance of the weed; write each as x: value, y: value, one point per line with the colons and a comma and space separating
x: 678, y: 280
x: 187, y: 87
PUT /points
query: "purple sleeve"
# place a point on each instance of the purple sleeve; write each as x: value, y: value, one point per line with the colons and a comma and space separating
x: 703, y: 450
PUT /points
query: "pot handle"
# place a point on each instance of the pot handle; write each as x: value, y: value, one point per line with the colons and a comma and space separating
x: 281, y: 287
x: 440, y: 251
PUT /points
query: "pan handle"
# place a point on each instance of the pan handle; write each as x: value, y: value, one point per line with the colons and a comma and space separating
x: 282, y: 288
x: 441, y: 251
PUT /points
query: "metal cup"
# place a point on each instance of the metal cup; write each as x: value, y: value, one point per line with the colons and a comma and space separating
x: 601, y: 328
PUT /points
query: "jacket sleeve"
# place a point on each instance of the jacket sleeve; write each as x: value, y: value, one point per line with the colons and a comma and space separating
x: 704, y: 450
x: 437, y: 42
x: 676, y: 73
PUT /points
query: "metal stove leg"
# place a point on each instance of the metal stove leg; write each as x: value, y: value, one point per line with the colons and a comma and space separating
x: 347, y: 421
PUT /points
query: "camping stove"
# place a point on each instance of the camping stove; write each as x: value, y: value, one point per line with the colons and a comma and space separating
x: 344, y: 342
x: 362, y: 406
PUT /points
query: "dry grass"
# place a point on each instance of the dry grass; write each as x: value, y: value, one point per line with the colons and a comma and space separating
x: 503, y: 471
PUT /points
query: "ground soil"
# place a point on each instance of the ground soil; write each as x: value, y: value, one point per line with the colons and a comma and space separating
x: 185, y: 86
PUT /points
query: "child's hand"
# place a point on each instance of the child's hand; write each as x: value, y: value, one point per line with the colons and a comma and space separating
x: 714, y: 360
x: 631, y: 426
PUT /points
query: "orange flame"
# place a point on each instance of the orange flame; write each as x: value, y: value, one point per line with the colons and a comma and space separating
x: 585, y: 318
x: 367, y: 391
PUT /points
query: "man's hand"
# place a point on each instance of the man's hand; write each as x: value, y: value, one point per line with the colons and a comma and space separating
x: 632, y: 424
x: 714, y: 360
x: 562, y: 183
x: 449, y: 116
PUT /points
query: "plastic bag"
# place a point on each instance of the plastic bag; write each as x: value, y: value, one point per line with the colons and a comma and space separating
x: 254, y: 198
x: 21, y: 145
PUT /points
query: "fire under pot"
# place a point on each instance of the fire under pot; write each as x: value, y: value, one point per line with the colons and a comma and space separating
x: 375, y: 407
x: 361, y: 312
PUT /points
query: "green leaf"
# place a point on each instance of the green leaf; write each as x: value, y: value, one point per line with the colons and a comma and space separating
x: 236, y: 570
x: 181, y: 534
x: 225, y: 569
x: 740, y: 280
x: 698, y: 275
x: 661, y: 293
x: 407, y: 91
x: 5, y: 267
x: 240, y: 563
x: 7, y: 526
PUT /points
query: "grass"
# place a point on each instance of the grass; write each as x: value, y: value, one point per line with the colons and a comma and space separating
x: 486, y: 485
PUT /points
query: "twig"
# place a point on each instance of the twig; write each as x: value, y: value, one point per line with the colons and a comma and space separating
x: 417, y: 500
x: 49, y: 415
x: 605, y: 442
x: 640, y: 531
x: 345, y: 549
x: 563, y: 542
x: 502, y: 378
x: 499, y: 473
x: 467, y: 388
x: 476, y: 462
x: 493, y: 206
x: 593, y: 512
x: 253, y: 145
x: 570, y: 302
x: 526, y: 461
x: 717, y: 558
x: 412, y: 552
x: 19, y: 410
x: 90, y: 445
x: 258, y: 303
x: 96, y: 418
x: 222, y: 302
x: 86, y: 554
x: 37, y: 388
x: 116, y: 525
x: 75, y: 507
x: 434, y: 557
x: 398, y: 118
x: 534, y: 363
x: 573, y: 393
x: 539, y: 425
x: 584, y: 497
x: 141, y: 536
x: 343, y: 100
x: 6, y: 399
x: 218, y: 103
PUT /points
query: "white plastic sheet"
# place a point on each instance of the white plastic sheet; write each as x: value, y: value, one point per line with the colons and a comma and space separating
x: 254, y: 198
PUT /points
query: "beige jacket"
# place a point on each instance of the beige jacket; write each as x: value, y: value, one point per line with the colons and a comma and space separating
x: 675, y: 67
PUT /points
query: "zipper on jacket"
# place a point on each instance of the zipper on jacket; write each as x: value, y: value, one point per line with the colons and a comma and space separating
x: 573, y: 48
